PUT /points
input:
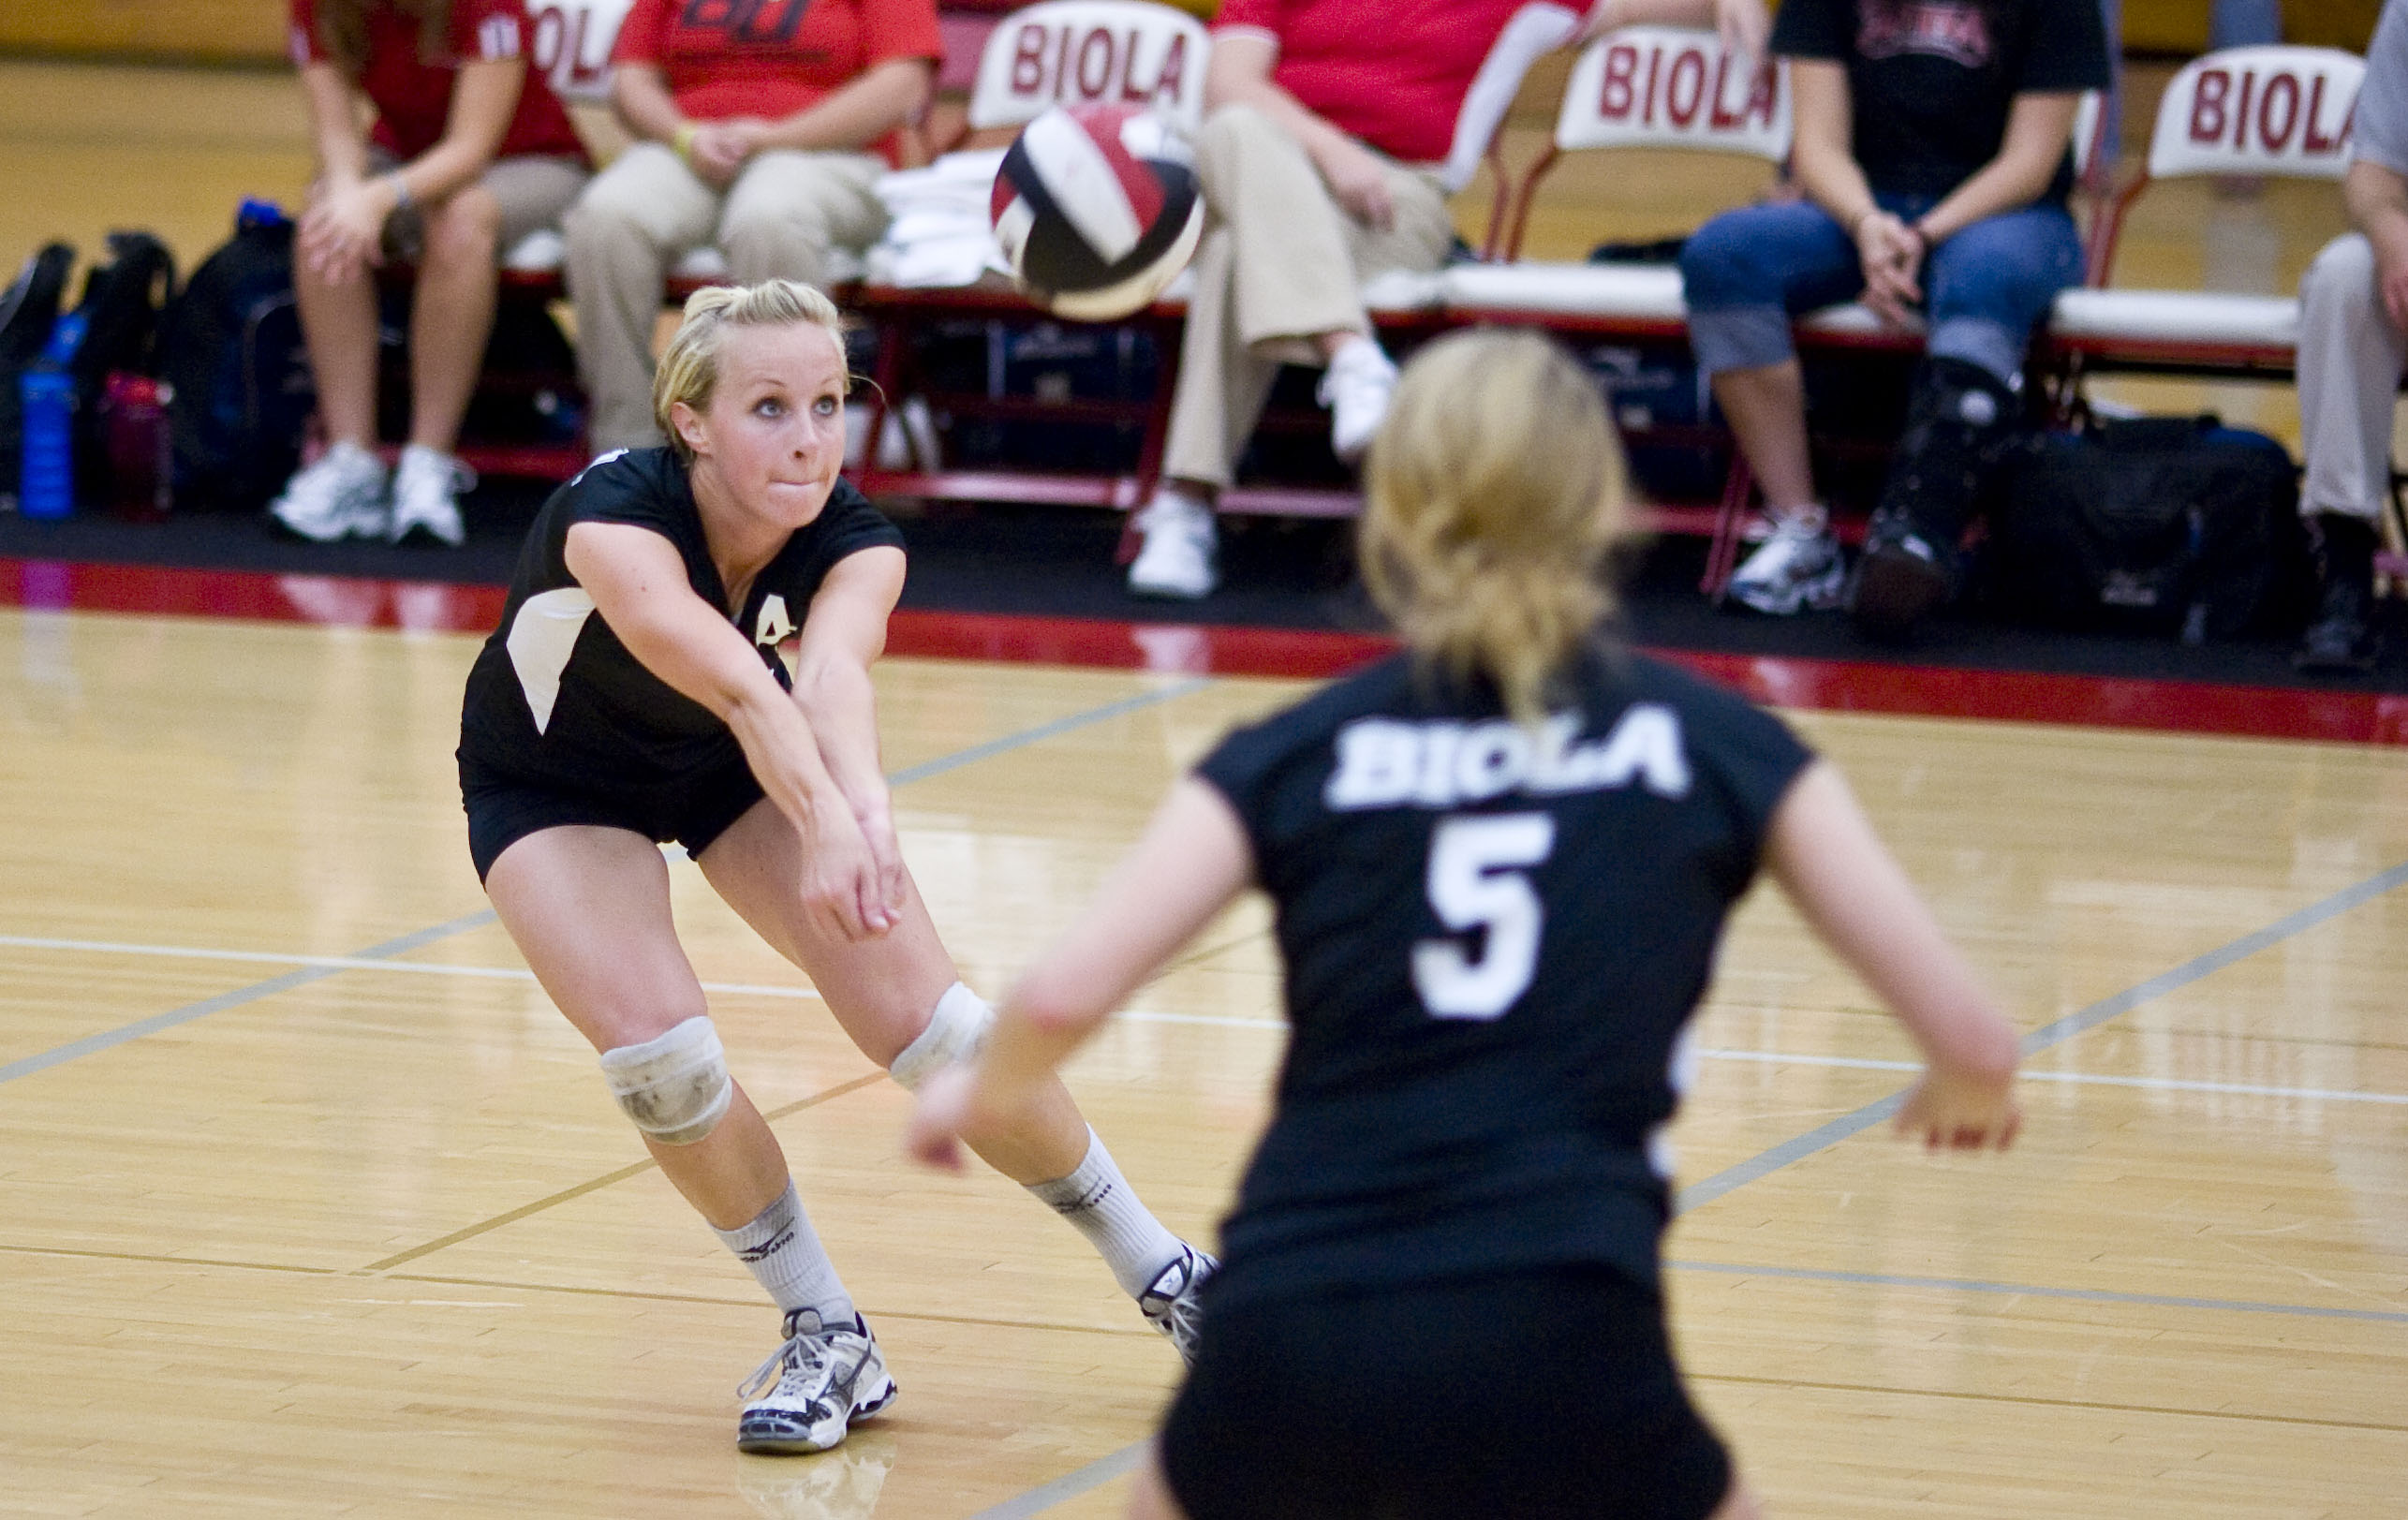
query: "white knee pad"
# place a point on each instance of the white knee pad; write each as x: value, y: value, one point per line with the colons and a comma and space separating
x: 955, y: 1032
x: 676, y: 1087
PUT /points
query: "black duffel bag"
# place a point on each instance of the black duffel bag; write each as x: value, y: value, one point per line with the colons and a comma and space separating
x: 2156, y: 524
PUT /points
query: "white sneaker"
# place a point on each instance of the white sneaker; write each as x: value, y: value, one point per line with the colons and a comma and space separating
x: 341, y: 497
x: 1798, y: 566
x: 814, y: 1388
x: 1355, y: 387
x: 426, y: 495
x: 1180, y: 542
x: 1170, y: 1302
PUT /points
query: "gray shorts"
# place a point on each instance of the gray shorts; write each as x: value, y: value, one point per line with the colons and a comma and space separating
x: 533, y: 189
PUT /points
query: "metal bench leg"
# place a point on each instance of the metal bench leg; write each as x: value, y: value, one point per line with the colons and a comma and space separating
x: 1722, y: 556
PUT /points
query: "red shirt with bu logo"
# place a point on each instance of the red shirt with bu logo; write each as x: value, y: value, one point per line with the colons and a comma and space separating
x: 1391, y: 73
x: 771, y: 58
x: 412, y: 93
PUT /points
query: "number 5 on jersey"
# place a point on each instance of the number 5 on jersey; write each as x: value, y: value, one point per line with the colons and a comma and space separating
x: 1478, y: 879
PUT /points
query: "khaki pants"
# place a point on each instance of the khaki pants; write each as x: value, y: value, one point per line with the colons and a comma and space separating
x: 2350, y: 362
x: 779, y: 219
x: 531, y: 189
x: 1279, y: 263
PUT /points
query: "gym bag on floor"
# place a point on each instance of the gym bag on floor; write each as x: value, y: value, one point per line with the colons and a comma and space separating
x: 121, y: 306
x: 232, y: 348
x: 2158, y: 524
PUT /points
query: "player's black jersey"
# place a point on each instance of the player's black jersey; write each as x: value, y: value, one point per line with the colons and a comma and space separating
x: 1493, y: 939
x: 554, y: 695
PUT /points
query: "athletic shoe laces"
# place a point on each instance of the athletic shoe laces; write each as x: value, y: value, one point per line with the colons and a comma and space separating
x: 794, y: 1365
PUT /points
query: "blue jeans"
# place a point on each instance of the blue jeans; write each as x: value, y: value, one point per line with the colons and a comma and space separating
x: 1747, y: 273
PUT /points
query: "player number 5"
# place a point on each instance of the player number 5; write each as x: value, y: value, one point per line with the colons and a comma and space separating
x: 1478, y: 880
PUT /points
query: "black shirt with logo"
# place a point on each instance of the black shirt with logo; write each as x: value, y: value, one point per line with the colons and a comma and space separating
x: 1493, y: 939
x: 555, y: 697
x: 1931, y: 81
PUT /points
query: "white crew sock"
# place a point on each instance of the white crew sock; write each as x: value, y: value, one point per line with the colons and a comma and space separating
x: 1100, y: 1205
x: 786, y: 1257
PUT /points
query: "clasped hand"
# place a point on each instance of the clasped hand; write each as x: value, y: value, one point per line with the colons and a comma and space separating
x: 852, y: 869
x: 1892, y: 255
x: 719, y: 149
x: 342, y: 232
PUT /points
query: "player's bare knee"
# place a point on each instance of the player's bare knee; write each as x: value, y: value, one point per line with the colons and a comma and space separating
x: 955, y: 1032
x: 676, y: 1087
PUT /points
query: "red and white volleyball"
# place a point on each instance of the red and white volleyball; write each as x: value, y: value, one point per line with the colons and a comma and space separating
x: 1097, y: 209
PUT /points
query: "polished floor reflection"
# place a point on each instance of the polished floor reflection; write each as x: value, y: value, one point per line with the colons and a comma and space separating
x: 309, y: 1203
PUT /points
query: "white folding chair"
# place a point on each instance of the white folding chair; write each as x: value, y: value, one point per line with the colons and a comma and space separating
x: 1130, y: 53
x: 1636, y: 87
x: 2280, y: 112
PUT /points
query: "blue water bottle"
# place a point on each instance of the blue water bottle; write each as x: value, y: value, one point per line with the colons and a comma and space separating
x: 46, y: 484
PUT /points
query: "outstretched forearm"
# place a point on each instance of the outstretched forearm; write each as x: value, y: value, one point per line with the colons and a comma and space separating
x: 837, y: 699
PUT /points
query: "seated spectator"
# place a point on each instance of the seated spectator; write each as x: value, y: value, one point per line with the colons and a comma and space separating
x: 468, y: 154
x: 1931, y: 146
x: 762, y: 130
x: 2353, y: 348
x: 1326, y: 122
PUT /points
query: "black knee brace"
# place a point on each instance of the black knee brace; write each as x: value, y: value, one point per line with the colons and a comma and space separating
x: 1959, y: 419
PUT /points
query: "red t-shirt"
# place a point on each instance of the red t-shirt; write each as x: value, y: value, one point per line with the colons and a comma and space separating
x: 413, y: 98
x: 771, y: 58
x: 1391, y: 73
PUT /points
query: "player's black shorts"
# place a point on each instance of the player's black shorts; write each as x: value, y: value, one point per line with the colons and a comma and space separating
x: 693, y: 810
x: 1533, y: 1395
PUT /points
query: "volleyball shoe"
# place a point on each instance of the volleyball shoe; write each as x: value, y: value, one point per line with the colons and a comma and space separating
x: 813, y: 1388
x: 1172, y: 1303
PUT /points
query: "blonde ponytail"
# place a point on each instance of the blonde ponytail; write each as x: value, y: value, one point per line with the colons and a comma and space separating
x: 1495, y: 492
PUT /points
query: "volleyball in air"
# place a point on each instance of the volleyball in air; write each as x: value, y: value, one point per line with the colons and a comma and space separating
x: 1097, y: 210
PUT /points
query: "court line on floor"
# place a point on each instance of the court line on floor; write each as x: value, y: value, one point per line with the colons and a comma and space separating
x: 298, y: 977
x: 1217, y: 1021
x: 1069, y: 1486
x: 1725, y: 1269
x: 1825, y: 1136
x: 593, y: 1184
x: 376, y: 956
x: 1972, y: 1395
x: 2025, y: 1290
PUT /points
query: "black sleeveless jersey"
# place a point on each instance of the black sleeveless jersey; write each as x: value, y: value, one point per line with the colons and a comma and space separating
x: 1493, y: 940
x: 556, y: 699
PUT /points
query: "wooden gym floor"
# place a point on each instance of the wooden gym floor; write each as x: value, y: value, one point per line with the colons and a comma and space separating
x: 310, y: 1204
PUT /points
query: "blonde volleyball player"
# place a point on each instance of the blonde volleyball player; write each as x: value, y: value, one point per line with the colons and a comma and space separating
x: 633, y: 694
x: 1501, y: 862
